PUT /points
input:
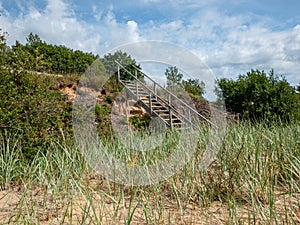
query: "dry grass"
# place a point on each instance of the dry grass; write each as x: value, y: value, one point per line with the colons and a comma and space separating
x: 254, y: 180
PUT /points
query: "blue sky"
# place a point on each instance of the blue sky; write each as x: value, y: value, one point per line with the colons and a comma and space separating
x: 230, y: 37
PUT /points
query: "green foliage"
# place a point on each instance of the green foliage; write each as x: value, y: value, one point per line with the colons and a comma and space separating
x: 125, y: 60
x: 173, y: 76
x: 30, y: 105
x: 297, y: 111
x: 103, y: 121
x: 109, y: 99
x: 101, y: 111
x: 3, y: 46
x: 39, y: 56
x: 140, y: 122
x: 33, y: 39
x: 256, y: 168
x: 24, y: 58
x: 258, y: 95
x: 194, y: 87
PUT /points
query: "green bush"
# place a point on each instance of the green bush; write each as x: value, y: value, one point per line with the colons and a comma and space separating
x: 259, y: 96
x: 109, y: 61
x: 30, y: 105
x: 109, y: 99
x: 37, y: 55
x: 140, y: 122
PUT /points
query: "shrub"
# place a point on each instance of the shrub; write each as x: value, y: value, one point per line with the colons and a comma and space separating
x: 30, y: 104
x: 258, y: 96
x: 140, y: 122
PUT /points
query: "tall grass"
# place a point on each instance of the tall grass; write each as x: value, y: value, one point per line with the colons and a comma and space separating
x: 254, y: 179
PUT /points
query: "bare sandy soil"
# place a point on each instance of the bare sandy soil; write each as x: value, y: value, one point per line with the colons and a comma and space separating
x: 40, y: 205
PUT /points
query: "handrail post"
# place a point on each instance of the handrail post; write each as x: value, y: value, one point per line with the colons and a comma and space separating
x: 118, y: 74
x: 170, y: 112
x: 190, y: 119
x: 136, y: 90
x: 150, y: 103
x: 155, y: 91
x: 135, y: 74
x: 170, y: 118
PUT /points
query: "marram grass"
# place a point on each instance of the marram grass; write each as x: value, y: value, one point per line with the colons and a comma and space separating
x: 254, y: 179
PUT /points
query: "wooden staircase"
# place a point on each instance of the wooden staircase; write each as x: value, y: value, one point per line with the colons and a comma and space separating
x: 146, y: 93
x: 153, y: 104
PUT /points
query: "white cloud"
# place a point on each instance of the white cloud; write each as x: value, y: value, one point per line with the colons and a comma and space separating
x: 232, y: 45
x: 228, y: 43
x: 58, y: 8
x: 133, y: 30
x: 259, y: 47
x: 57, y: 24
x: 117, y: 33
x: 96, y: 13
x: 110, y: 19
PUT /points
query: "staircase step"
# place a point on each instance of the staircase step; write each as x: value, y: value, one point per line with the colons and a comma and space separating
x: 139, y: 90
x: 164, y: 116
x: 162, y: 111
x: 159, y: 106
x: 167, y: 119
x: 134, y: 87
x: 173, y: 121
x: 144, y: 97
x: 154, y: 108
x: 128, y: 82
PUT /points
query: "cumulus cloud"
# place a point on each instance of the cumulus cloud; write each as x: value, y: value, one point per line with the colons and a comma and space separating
x: 57, y: 24
x: 133, y: 30
x: 229, y: 44
x: 96, y: 13
x: 117, y: 33
x: 232, y: 45
x: 258, y: 47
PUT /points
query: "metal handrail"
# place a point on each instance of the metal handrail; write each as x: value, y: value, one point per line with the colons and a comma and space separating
x: 168, y: 92
x: 153, y: 93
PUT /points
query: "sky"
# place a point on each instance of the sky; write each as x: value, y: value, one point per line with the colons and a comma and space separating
x: 230, y: 37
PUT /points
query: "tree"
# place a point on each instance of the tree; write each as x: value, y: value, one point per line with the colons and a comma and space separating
x: 173, y: 76
x: 194, y: 87
x: 109, y: 61
x: 19, y: 58
x: 33, y: 39
x: 258, y: 95
x: 3, y: 46
x: 37, y: 55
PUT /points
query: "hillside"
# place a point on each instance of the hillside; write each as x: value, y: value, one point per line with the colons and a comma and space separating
x: 251, y: 176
